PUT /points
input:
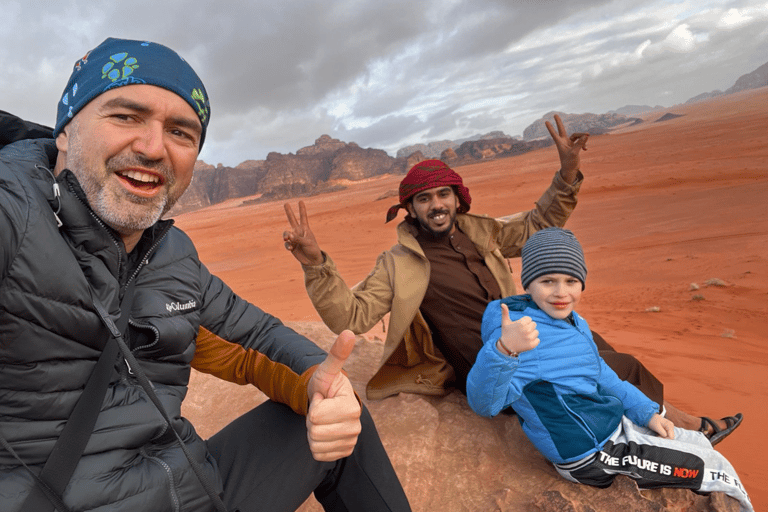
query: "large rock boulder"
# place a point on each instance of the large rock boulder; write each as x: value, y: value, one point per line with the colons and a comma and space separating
x: 448, y: 458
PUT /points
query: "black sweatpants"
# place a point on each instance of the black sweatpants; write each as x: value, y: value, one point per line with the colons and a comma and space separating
x: 266, y: 465
x: 628, y: 368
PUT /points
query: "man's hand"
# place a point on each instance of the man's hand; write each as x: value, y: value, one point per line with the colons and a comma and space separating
x: 662, y: 426
x: 569, y: 149
x: 300, y: 240
x: 516, y: 337
x: 333, y: 419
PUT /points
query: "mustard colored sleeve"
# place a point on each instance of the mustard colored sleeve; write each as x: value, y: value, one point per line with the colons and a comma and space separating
x: 234, y: 363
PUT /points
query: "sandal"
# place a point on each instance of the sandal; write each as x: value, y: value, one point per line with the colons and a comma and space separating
x: 717, y: 433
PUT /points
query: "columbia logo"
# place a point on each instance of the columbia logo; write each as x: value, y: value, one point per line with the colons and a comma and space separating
x: 177, y: 306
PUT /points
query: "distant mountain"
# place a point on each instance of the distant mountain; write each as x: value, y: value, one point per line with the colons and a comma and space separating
x: 635, y: 110
x: 704, y: 96
x: 430, y: 150
x: 753, y: 80
x: 592, y: 123
x: 435, y: 149
x: 473, y: 151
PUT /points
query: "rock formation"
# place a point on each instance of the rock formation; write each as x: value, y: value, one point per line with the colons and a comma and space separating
x: 436, y: 149
x: 430, y: 150
x: 326, y: 165
x: 753, y: 80
x: 592, y: 123
x: 635, y: 110
x: 489, y: 149
x: 448, y: 458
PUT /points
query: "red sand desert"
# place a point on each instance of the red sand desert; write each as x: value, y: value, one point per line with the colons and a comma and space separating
x: 673, y: 219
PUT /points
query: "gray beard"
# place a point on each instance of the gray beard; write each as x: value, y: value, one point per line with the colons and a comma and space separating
x: 105, y: 201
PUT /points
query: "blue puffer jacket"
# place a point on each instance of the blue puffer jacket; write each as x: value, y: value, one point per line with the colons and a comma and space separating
x: 51, y: 338
x: 568, y: 400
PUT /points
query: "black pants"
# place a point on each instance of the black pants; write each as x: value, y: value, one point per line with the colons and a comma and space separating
x: 266, y: 465
x: 628, y: 368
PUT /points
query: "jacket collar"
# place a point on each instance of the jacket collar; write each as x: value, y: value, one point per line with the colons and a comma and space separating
x: 85, y: 231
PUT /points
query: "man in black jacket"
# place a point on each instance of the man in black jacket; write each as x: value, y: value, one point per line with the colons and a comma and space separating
x: 83, y: 248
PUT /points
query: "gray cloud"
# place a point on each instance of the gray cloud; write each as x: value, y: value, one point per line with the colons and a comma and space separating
x: 392, y: 73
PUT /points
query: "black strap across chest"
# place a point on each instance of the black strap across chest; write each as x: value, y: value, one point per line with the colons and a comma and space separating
x: 68, y: 450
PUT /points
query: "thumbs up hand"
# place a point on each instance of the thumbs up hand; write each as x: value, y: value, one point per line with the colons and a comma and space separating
x: 518, y: 336
x: 333, y: 419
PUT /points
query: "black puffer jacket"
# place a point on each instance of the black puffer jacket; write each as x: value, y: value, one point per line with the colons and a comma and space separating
x: 51, y: 337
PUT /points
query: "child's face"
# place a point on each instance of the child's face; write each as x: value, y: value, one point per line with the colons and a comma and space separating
x: 555, y: 294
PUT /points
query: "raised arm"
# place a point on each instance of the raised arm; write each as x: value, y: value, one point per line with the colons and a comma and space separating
x: 568, y: 148
x: 495, y: 380
x: 299, y: 239
x: 558, y: 201
x: 340, y: 307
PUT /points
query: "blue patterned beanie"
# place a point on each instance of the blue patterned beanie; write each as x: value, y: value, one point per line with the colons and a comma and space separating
x: 119, y: 62
x: 552, y: 251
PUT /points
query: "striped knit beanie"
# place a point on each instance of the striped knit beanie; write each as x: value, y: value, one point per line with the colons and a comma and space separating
x: 553, y: 251
x: 120, y: 62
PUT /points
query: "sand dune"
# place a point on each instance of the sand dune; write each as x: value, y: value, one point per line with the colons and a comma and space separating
x: 673, y: 217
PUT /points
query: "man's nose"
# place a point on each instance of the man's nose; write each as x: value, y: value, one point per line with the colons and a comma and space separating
x: 149, y: 143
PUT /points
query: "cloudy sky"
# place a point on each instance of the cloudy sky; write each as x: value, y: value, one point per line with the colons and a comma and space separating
x: 386, y: 74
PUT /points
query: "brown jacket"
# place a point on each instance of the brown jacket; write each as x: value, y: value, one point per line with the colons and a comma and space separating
x: 397, y: 284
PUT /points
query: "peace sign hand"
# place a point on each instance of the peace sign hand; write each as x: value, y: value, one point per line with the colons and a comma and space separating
x: 568, y: 148
x: 300, y: 240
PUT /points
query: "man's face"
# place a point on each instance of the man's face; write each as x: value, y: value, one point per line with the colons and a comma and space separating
x: 555, y: 294
x: 435, y: 210
x: 133, y: 150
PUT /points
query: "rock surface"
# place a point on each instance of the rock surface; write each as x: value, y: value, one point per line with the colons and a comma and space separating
x: 448, y: 458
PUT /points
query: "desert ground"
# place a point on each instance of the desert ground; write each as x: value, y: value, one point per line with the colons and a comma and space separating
x: 673, y: 217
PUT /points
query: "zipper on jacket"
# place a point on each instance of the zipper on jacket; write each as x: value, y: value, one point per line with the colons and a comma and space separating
x: 579, y: 420
x: 144, y: 261
x: 145, y: 258
x: 106, y: 229
x: 171, y: 482
x: 146, y: 345
x: 573, y: 413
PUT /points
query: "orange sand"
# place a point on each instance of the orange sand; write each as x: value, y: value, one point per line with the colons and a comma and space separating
x: 664, y: 208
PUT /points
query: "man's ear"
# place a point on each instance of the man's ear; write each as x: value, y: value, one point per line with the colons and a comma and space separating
x: 409, y: 208
x: 62, y: 144
x: 62, y: 141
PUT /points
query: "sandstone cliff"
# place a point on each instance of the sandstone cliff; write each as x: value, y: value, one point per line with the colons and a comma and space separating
x: 326, y: 165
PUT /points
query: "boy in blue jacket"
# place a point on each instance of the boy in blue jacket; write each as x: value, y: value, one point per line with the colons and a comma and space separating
x: 539, y: 357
